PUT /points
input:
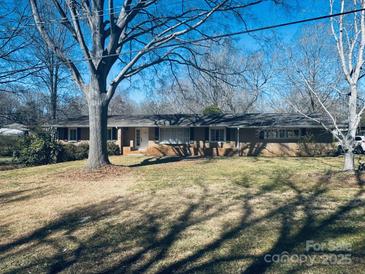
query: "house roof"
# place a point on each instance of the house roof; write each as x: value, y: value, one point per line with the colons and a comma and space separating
x: 247, y: 120
x: 11, y: 132
x: 17, y: 126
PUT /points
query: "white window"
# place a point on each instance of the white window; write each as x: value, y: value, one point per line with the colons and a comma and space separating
x: 280, y: 134
x: 138, y: 137
x: 72, y: 134
x: 217, y: 135
x: 270, y: 134
x: 293, y: 134
x: 174, y: 135
x: 110, y: 134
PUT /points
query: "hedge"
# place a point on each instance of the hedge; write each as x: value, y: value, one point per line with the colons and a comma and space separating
x: 8, y: 145
x: 43, y: 148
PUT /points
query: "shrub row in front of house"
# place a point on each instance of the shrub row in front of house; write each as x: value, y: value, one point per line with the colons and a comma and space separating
x: 71, y: 152
x: 42, y: 148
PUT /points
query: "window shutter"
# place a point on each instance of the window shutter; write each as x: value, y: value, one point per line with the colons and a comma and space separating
x: 65, y: 133
x: 192, y: 134
x: 207, y: 134
x: 262, y: 135
x: 228, y: 134
x: 78, y: 134
x: 304, y: 132
x: 157, y: 133
x: 114, y: 133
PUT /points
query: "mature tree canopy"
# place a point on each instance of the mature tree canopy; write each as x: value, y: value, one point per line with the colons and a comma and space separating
x: 118, y: 42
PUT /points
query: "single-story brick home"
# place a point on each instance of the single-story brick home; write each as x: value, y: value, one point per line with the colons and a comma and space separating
x: 275, y: 134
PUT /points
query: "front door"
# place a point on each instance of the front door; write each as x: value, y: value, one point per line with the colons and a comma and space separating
x: 141, y: 138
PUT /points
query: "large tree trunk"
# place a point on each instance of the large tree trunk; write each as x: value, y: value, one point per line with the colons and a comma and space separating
x: 53, y: 104
x: 352, y: 127
x: 98, y: 118
x: 349, y: 164
x: 54, y: 91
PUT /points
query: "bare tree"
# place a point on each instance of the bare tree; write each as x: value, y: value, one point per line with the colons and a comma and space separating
x: 53, y: 74
x: 72, y: 105
x: 8, y: 104
x: 14, y: 62
x: 350, y: 41
x: 24, y: 107
x: 142, y: 34
x: 157, y: 106
x: 121, y: 105
x: 310, y: 60
x: 305, y: 65
x: 349, y: 33
x: 234, y: 83
x: 255, y: 79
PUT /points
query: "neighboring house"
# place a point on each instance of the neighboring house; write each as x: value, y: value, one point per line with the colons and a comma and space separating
x: 14, y: 129
x: 226, y: 134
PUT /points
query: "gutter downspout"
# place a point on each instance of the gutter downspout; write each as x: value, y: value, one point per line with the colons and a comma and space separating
x: 238, y: 141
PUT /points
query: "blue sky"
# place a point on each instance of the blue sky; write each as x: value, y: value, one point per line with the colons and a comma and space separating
x: 266, y: 14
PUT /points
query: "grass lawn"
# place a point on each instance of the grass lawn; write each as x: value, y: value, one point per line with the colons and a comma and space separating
x: 7, y: 163
x: 5, y: 159
x: 223, y: 215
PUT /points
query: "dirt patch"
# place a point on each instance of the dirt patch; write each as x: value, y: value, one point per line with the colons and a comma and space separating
x: 96, y: 175
x: 10, y: 166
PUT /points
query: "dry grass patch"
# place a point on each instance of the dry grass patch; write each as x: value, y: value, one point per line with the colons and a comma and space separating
x: 206, y: 215
x: 102, y: 174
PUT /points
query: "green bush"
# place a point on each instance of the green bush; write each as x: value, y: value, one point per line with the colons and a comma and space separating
x: 113, y: 149
x: 7, y: 145
x: 37, y: 149
x: 42, y: 148
x: 212, y: 110
x: 67, y: 153
x: 82, y: 151
x: 72, y: 152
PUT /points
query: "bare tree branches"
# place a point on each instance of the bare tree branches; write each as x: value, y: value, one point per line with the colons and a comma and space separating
x: 53, y: 46
x: 221, y: 77
x: 309, y: 65
x: 337, y: 100
x: 14, y: 64
x: 351, y: 55
x: 154, y: 30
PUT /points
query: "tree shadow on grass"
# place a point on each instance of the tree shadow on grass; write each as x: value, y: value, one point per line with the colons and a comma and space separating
x: 164, y: 160
x: 21, y: 195
x: 64, y: 227
x: 144, y: 244
x: 311, y: 227
x: 360, y: 178
x: 158, y: 160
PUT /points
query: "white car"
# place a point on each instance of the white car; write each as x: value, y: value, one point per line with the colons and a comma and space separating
x: 360, y: 144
